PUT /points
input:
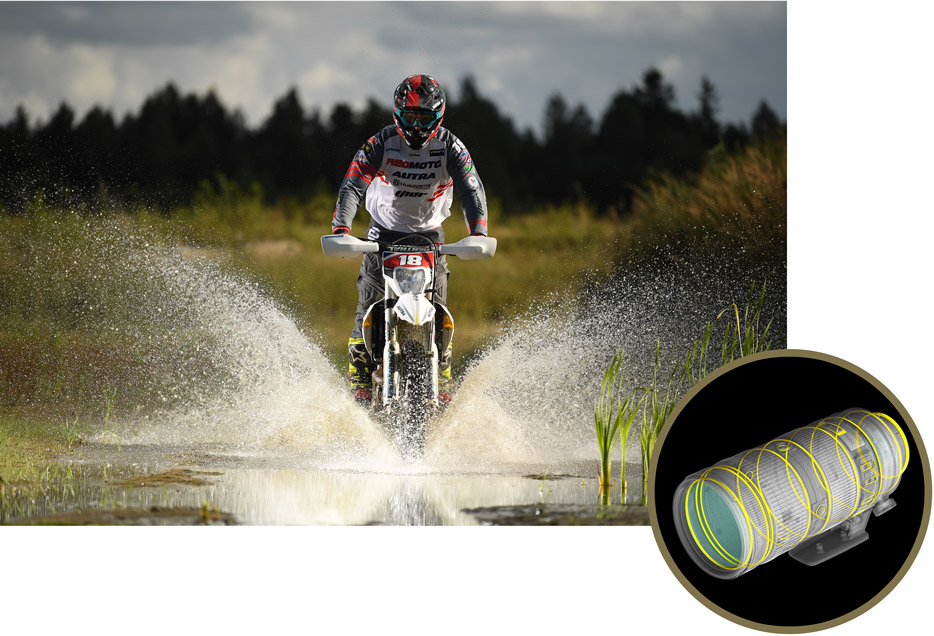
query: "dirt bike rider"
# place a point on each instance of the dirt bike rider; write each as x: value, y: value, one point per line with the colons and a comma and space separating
x: 406, y: 173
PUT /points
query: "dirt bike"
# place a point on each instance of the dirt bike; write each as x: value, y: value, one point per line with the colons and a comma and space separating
x: 407, y: 332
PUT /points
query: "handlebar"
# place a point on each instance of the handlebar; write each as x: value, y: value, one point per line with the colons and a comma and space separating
x: 468, y: 248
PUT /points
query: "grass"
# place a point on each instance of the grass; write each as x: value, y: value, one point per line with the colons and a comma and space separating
x: 71, y: 433
x: 614, y: 416
x: 35, y: 482
x: 738, y: 201
x: 657, y: 409
x: 27, y: 444
x: 607, y: 421
x: 745, y: 336
x: 28, y: 471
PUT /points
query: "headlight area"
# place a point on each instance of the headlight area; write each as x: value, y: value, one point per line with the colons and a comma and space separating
x: 410, y: 280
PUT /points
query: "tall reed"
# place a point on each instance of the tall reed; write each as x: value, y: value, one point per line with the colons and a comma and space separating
x: 657, y: 409
x: 747, y: 337
x: 615, y: 416
x: 607, y: 421
x: 629, y: 415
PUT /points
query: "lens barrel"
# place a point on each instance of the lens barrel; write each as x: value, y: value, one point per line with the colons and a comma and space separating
x: 760, y: 503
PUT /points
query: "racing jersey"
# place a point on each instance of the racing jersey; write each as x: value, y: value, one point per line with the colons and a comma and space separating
x: 411, y: 190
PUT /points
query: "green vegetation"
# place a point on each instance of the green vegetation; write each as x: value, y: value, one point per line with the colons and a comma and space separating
x: 614, y: 416
x: 747, y: 337
x: 35, y: 482
x: 667, y: 385
x: 110, y: 398
x: 658, y: 408
x: 736, y: 204
x: 28, y: 447
x: 25, y: 442
x: 607, y: 422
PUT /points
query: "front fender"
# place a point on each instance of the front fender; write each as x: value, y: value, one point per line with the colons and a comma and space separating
x: 415, y: 309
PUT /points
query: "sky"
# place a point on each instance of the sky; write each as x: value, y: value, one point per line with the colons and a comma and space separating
x: 519, y: 53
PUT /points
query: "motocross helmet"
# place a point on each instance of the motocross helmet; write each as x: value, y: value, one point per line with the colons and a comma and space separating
x: 418, y: 108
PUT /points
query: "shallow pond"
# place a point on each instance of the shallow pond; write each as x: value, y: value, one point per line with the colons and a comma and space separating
x: 176, y: 485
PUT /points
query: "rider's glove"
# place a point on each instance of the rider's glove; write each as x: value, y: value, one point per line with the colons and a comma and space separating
x: 341, y: 229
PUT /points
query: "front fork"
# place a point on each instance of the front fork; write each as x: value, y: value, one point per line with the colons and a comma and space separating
x: 388, y: 371
x: 386, y: 374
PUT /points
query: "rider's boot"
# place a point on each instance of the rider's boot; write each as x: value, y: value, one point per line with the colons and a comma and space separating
x: 444, y: 376
x: 360, y: 371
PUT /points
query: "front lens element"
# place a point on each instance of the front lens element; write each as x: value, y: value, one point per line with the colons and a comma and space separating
x: 715, y: 526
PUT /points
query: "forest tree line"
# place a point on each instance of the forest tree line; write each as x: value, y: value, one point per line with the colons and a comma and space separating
x: 160, y: 155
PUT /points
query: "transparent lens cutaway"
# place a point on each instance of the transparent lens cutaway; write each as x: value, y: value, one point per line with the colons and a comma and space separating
x: 808, y: 489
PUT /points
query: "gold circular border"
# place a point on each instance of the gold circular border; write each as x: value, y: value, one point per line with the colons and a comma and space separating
x: 922, y: 456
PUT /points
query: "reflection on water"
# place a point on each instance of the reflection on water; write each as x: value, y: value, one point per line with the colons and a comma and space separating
x: 271, y: 490
x: 265, y: 496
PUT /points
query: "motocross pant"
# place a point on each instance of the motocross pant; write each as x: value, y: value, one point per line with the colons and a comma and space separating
x: 370, y: 290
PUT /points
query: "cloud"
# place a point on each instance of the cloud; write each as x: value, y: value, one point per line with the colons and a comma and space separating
x: 323, y: 75
x: 128, y: 23
x: 116, y: 54
x: 94, y: 79
x: 671, y: 67
x: 36, y: 74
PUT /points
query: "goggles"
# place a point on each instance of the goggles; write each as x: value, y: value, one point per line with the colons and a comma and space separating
x: 420, y: 118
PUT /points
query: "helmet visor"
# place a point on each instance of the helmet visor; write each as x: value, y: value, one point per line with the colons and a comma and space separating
x: 419, y: 118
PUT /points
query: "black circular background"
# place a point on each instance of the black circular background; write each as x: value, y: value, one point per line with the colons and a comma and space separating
x: 746, y: 407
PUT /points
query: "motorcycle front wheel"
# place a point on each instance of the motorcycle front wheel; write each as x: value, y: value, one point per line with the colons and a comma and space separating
x: 416, y: 399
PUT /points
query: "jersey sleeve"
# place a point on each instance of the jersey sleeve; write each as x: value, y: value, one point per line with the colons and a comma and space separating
x: 468, y: 187
x: 357, y: 179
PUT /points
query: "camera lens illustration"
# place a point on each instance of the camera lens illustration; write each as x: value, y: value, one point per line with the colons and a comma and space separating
x: 809, y: 493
